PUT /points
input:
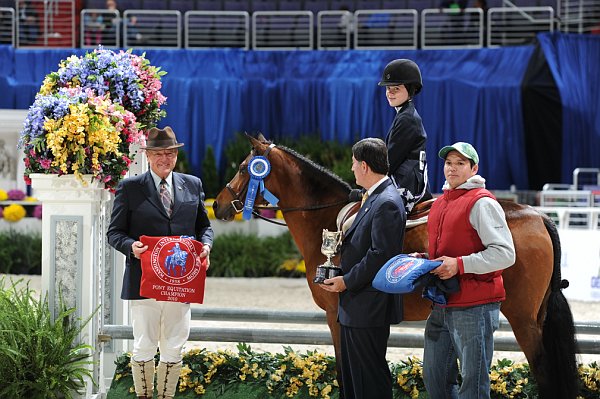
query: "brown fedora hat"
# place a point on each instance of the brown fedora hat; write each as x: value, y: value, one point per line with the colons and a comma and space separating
x: 161, y: 139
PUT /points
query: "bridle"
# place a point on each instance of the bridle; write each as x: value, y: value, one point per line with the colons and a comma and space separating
x: 238, y: 204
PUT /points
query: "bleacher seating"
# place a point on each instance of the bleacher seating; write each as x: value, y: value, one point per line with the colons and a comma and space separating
x: 265, y: 5
x: 434, y: 27
x: 209, y: 5
x: 182, y: 5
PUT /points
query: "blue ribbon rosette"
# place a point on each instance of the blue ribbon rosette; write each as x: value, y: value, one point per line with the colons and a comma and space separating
x: 259, y: 168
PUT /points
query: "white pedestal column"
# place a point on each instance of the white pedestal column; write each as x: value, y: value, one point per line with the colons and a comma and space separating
x: 73, y: 251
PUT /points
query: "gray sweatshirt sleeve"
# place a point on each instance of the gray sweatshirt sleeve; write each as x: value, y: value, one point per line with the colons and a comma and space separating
x: 488, y: 219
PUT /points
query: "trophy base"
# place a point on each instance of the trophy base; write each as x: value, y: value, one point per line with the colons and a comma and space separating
x: 325, y: 272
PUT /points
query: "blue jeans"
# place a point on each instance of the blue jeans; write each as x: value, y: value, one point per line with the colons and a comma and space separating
x: 466, y: 335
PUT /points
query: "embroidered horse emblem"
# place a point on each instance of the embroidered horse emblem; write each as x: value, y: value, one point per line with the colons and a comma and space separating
x: 177, y: 258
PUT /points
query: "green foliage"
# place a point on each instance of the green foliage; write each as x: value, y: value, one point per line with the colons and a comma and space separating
x: 312, y: 375
x: 183, y: 164
x: 20, y: 253
x: 235, y: 152
x: 246, y: 255
x: 40, y: 356
x: 210, y: 178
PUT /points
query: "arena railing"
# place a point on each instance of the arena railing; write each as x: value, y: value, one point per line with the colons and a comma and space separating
x: 438, y: 28
x: 449, y: 28
x: 53, y: 27
x: 100, y: 26
x: 398, y: 337
x: 578, y: 16
x: 209, y: 29
x: 385, y: 29
x: 282, y: 30
x: 517, y: 26
x: 334, y: 30
x: 7, y: 26
x: 152, y: 28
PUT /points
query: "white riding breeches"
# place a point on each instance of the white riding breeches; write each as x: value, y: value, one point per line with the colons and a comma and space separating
x: 164, y: 325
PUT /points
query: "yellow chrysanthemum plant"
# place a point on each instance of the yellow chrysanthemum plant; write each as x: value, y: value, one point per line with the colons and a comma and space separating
x: 88, y: 113
x: 313, y: 375
x: 13, y: 213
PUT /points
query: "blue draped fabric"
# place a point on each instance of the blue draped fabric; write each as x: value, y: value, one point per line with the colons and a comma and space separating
x: 574, y: 62
x: 468, y: 95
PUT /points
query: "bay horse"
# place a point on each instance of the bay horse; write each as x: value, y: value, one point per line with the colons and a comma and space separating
x: 310, y: 198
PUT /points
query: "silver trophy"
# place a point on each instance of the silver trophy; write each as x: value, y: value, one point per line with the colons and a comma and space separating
x: 329, y: 247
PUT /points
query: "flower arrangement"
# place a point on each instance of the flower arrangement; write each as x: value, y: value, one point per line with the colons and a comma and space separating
x: 313, y: 374
x: 17, y: 211
x: 87, y: 113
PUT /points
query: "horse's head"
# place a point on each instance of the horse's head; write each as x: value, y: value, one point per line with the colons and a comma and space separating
x: 230, y: 200
x: 297, y: 182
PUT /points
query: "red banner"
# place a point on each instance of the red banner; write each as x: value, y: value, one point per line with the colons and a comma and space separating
x: 172, y: 269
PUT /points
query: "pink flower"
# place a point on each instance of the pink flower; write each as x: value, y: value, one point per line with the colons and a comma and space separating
x: 45, y: 163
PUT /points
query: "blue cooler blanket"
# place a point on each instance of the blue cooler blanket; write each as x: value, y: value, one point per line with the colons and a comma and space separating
x: 403, y: 274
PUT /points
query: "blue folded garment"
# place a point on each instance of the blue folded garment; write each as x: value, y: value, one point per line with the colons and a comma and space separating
x: 403, y: 274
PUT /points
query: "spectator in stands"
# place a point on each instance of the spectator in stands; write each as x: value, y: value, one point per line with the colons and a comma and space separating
x: 346, y: 23
x: 133, y: 34
x: 482, y: 4
x: 456, y: 17
x: 28, y: 23
x: 406, y: 138
x: 94, y: 25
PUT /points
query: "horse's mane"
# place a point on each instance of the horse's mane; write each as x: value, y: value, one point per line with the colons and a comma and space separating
x: 315, y: 171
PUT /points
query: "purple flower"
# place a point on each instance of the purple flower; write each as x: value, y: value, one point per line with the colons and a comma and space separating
x: 37, y: 211
x: 15, y: 195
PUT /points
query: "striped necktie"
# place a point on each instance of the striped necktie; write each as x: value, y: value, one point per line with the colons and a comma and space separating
x: 165, y: 197
x: 364, y: 198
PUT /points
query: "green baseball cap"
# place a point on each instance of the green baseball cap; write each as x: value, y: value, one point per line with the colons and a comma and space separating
x: 465, y: 149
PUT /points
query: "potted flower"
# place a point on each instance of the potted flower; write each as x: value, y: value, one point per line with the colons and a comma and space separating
x: 87, y: 114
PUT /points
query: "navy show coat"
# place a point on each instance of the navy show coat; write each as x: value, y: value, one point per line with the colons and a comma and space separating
x: 138, y: 210
x: 376, y: 235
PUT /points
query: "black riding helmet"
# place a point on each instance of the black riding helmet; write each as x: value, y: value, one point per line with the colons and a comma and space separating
x: 402, y: 72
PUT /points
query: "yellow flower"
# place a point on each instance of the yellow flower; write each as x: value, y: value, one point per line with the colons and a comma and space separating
x: 3, y: 195
x: 14, y: 213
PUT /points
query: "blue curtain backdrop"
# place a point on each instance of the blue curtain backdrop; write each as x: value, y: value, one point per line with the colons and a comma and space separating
x: 575, y: 64
x: 468, y: 95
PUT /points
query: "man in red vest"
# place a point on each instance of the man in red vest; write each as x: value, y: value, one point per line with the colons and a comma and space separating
x: 469, y: 234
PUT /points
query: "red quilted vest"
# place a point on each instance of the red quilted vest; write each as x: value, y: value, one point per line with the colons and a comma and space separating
x: 459, y: 238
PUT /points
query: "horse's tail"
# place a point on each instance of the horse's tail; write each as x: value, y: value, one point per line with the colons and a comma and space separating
x: 557, y: 360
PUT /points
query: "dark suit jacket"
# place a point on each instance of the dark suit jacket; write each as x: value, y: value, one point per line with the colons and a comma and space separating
x: 138, y: 211
x: 376, y: 235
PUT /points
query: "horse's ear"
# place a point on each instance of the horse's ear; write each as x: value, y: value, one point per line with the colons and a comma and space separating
x: 262, y: 138
x: 253, y: 141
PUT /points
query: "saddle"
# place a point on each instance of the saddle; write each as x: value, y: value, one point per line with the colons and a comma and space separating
x: 417, y: 216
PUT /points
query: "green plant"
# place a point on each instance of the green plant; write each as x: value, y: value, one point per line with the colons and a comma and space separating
x: 210, y: 177
x: 40, y: 354
x: 235, y: 151
x: 223, y: 374
x: 246, y: 255
x: 20, y: 253
x: 183, y: 164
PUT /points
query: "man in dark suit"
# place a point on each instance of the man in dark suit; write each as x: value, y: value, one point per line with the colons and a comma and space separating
x: 157, y: 203
x: 365, y: 314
